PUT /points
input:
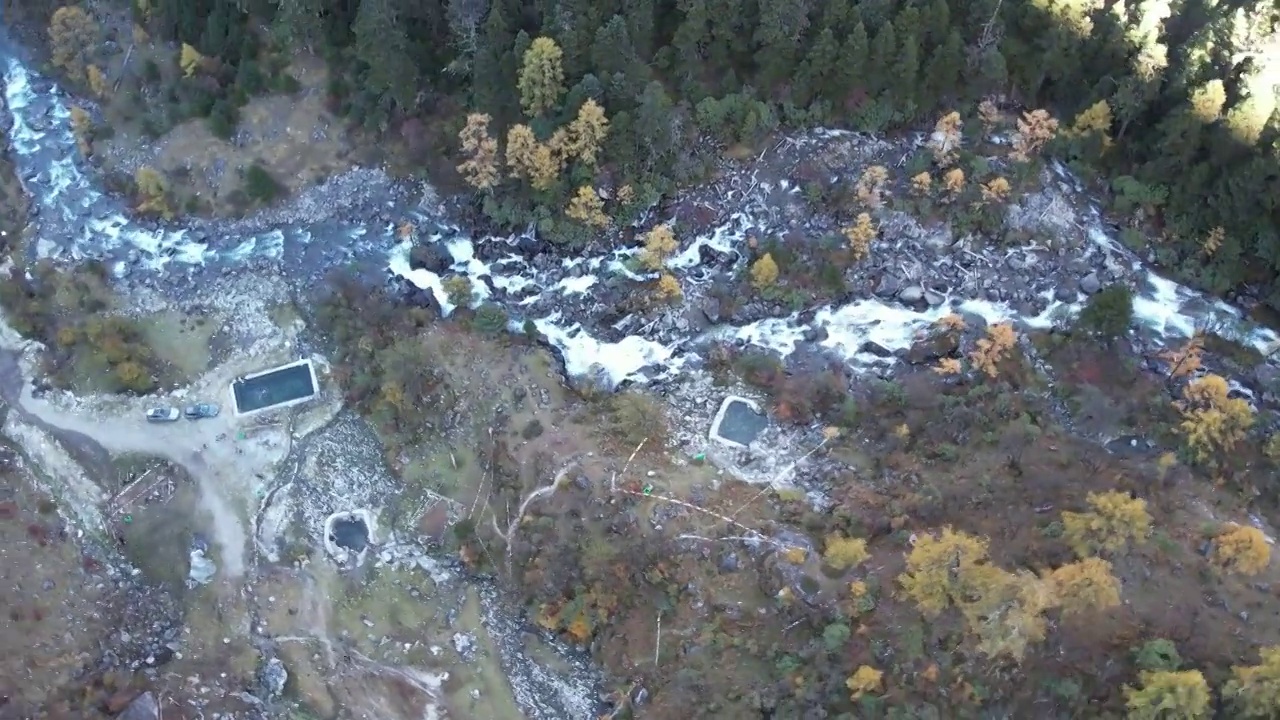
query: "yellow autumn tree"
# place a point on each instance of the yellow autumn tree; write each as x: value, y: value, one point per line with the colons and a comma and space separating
x: 1213, y: 240
x: 541, y: 80
x: 190, y: 60
x: 995, y: 190
x: 843, y: 552
x: 921, y: 184
x: 1006, y: 612
x: 870, y: 187
x: 865, y: 679
x: 1243, y: 549
x: 1186, y: 359
x: 952, y: 184
x: 659, y: 244
x: 1169, y: 695
x: 1094, y: 119
x: 587, y: 133
x: 944, y: 143
x: 940, y: 568
x: 994, y: 348
x: 98, y: 84
x: 860, y: 234
x: 668, y: 288
x: 1212, y: 421
x: 948, y: 366
x: 1115, y: 519
x: 764, y: 272
x: 989, y: 114
x: 480, y: 169
x: 81, y: 125
x: 72, y: 37
x: 153, y: 193
x: 1035, y: 130
x: 1254, y: 690
x: 531, y: 160
x: 587, y: 207
x: 1085, y: 585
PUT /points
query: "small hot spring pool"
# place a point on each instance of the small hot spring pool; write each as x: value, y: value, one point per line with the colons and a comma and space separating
x: 286, y: 384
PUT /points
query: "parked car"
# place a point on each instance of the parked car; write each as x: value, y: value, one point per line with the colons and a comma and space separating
x: 163, y: 413
x: 201, y: 410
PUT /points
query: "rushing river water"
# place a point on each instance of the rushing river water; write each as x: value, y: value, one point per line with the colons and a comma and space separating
x: 78, y: 221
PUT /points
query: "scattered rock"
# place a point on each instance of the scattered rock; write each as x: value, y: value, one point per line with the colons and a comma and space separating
x: 143, y: 707
x: 1090, y: 284
x: 933, y: 347
x: 911, y: 294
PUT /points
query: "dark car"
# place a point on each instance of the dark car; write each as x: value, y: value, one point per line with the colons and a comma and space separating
x: 201, y: 410
x: 163, y: 413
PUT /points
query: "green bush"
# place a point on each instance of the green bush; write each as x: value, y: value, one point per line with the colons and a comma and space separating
x: 1108, y: 314
x: 259, y: 185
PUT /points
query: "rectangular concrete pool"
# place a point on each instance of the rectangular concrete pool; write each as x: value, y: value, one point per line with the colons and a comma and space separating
x: 278, y: 387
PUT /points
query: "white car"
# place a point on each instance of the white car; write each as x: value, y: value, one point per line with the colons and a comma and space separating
x: 163, y: 413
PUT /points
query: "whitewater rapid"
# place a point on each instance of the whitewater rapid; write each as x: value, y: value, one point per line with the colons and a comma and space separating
x: 78, y: 221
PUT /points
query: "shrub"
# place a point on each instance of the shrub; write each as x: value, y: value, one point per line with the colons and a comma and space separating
x: 490, y: 319
x: 633, y: 417
x: 1108, y: 315
x: 1157, y: 655
x: 259, y: 185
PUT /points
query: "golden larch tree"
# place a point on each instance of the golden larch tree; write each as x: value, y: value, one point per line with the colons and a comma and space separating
x: 72, y: 37
x: 668, y: 288
x: 921, y: 184
x: 1114, y: 520
x: 153, y: 193
x: 1213, y: 240
x: 989, y: 114
x: 944, y: 143
x: 995, y: 191
x: 1254, y: 690
x: 1169, y: 695
x: 1006, y: 611
x: 1186, y: 359
x: 994, y: 348
x: 860, y: 234
x: 870, y: 187
x: 531, y: 160
x: 587, y: 207
x: 952, y: 184
x: 1035, y: 130
x: 480, y: 169
x: 764, y: 272
x: 190, y: 60
x: 98, y: 84
x: 587, y: 133
x: 865, y: 679
x: 1212, y: 421
x: 541, y: 81
x: 659, y: 244
x: 843, y: 552
x: 1094, y: 119
x: 941, y: 568
x: 81, y: 125
x: 1085, y: 585
x: 1243, y: 549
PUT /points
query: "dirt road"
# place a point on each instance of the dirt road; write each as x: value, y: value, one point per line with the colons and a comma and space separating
x: 211, y: 450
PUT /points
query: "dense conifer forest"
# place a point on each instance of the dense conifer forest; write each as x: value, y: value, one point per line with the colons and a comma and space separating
x: 1169, y: 105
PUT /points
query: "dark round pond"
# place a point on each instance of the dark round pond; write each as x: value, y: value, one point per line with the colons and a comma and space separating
x: 350, y: 533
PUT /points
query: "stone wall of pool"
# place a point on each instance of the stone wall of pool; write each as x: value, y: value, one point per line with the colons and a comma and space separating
x: 282, y: 386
